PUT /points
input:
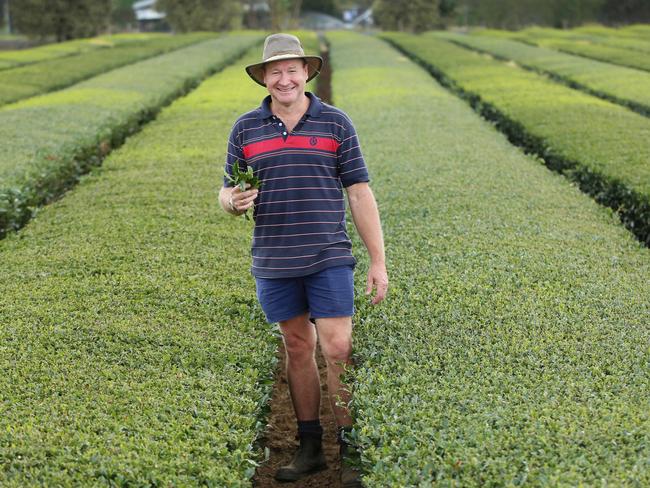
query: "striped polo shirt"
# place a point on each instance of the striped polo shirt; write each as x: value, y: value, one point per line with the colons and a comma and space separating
x: 300, y: 209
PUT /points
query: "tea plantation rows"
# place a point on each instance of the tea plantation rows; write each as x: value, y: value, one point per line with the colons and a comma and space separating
x: 27, y: 81
x: 512, y: 348
x: 603, y: 51
x: 48, y: 141
x: 627, y: 86
x: 20, y: 57
x: 132, y: 349
x: 599, y: 144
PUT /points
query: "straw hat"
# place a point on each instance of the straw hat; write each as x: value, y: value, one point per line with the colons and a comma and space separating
x: 278, y: 47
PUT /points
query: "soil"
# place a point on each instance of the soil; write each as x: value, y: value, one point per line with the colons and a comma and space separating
x: 281, y: 432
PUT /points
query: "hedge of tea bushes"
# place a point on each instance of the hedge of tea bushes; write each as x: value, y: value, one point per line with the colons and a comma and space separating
x: 132, y: 348
x: 34, y: 79
x: 552, y: 38
x: 592, y: 34
x: 18, y: 57
x: 48, y: 141
x: 619, y: 84
x: 513, y: 346
x: 600, y: 145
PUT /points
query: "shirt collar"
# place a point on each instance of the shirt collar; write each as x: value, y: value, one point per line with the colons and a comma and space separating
x: 314, y: 110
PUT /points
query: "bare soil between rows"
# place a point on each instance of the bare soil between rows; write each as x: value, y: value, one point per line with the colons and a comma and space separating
x: 281, y: 431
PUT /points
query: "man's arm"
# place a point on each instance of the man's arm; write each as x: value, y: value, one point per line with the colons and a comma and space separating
x: 241, y: 200
x: 366, y: 218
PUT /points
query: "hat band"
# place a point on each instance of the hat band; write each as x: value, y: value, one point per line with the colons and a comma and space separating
x: 283, y: 53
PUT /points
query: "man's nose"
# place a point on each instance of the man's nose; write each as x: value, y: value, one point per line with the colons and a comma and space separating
x: 284, y: 78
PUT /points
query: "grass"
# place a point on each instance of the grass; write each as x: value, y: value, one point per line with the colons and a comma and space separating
x: 52, y: 139
x: 596, y: 143
x: 513, y: 347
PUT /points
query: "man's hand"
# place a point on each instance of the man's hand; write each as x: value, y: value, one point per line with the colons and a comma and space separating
x: 240, y: 201
x: 377, y: 278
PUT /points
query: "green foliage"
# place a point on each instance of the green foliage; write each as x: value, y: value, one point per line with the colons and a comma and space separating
x: 513, y: 346
x: 122, y: 13
x: 54, y: 74
x: 610, y: 53
x: 407, y: 15
x: 600, y: 145
x: 244, y: 179
x: 514, y: 14
x: 131, y: 354
x: 49, y: 141
x: 19, y: 57
x: 63, y: 19
x: 205, y: 15
x: 616, y: 83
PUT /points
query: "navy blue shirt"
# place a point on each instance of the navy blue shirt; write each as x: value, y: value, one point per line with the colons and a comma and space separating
x: 300, y: 208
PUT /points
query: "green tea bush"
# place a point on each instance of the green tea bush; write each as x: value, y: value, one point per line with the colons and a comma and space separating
x: 27, y: 81
x: 10, y: 59
x: 600, y: 145
x: 619, y: 84
x: 49, y: 141
x: 132, y: 349
x: 555, y: 39
x: 513, y: 346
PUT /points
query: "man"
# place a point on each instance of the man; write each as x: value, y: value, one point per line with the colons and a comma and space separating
x: 305, y: 152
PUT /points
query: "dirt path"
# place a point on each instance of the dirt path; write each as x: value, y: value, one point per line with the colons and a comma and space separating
x: 281, y: 430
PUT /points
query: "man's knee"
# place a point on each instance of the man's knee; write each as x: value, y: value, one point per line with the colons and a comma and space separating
x: 299, y: 347
x: 337, y: 349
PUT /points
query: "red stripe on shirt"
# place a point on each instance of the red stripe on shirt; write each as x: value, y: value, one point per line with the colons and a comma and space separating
x: 292, y: 142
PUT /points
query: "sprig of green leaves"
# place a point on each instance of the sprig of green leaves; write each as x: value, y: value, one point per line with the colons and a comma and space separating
x: 241, y: 178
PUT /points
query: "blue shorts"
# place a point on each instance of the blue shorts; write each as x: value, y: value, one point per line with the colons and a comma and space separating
x: 328, y: 293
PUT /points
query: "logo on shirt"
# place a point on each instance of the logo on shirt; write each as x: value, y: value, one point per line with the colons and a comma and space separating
x: 313, y: 141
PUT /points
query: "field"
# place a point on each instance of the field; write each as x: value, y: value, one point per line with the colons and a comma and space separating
x: 512, y: 349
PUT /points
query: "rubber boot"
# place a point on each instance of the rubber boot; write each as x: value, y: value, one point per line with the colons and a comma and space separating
x: 309, y: 458
x: 350, y: 473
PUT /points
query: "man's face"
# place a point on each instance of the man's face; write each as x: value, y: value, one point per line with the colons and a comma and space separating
x: 285, y: 80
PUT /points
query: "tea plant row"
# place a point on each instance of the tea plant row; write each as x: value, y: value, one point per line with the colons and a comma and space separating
x: 132, y: 348
x: 49, y: 141
x: 600, y: 145
x: 512, y: 348
x: 27, y: 81
x: 19, y: 57
x: 626, y: 86
x: 602, y: 51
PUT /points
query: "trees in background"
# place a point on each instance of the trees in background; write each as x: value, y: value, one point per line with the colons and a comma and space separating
x: 407, y: 15
x: 122, y: 15
x: 201, y: 15
x: 61, y: 19
x: 625, y: 11
x: 513, y: 14
x: 3, y: 13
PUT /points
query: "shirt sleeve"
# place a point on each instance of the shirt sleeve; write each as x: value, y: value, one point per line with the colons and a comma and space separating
x: 351, y: 165
x: 234, y: 154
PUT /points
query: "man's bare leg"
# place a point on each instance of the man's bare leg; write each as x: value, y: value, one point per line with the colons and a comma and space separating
x: 335, y: 335
x: 299, y: 337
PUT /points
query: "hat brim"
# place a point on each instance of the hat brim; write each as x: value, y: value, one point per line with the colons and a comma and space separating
x: 314, y: 65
